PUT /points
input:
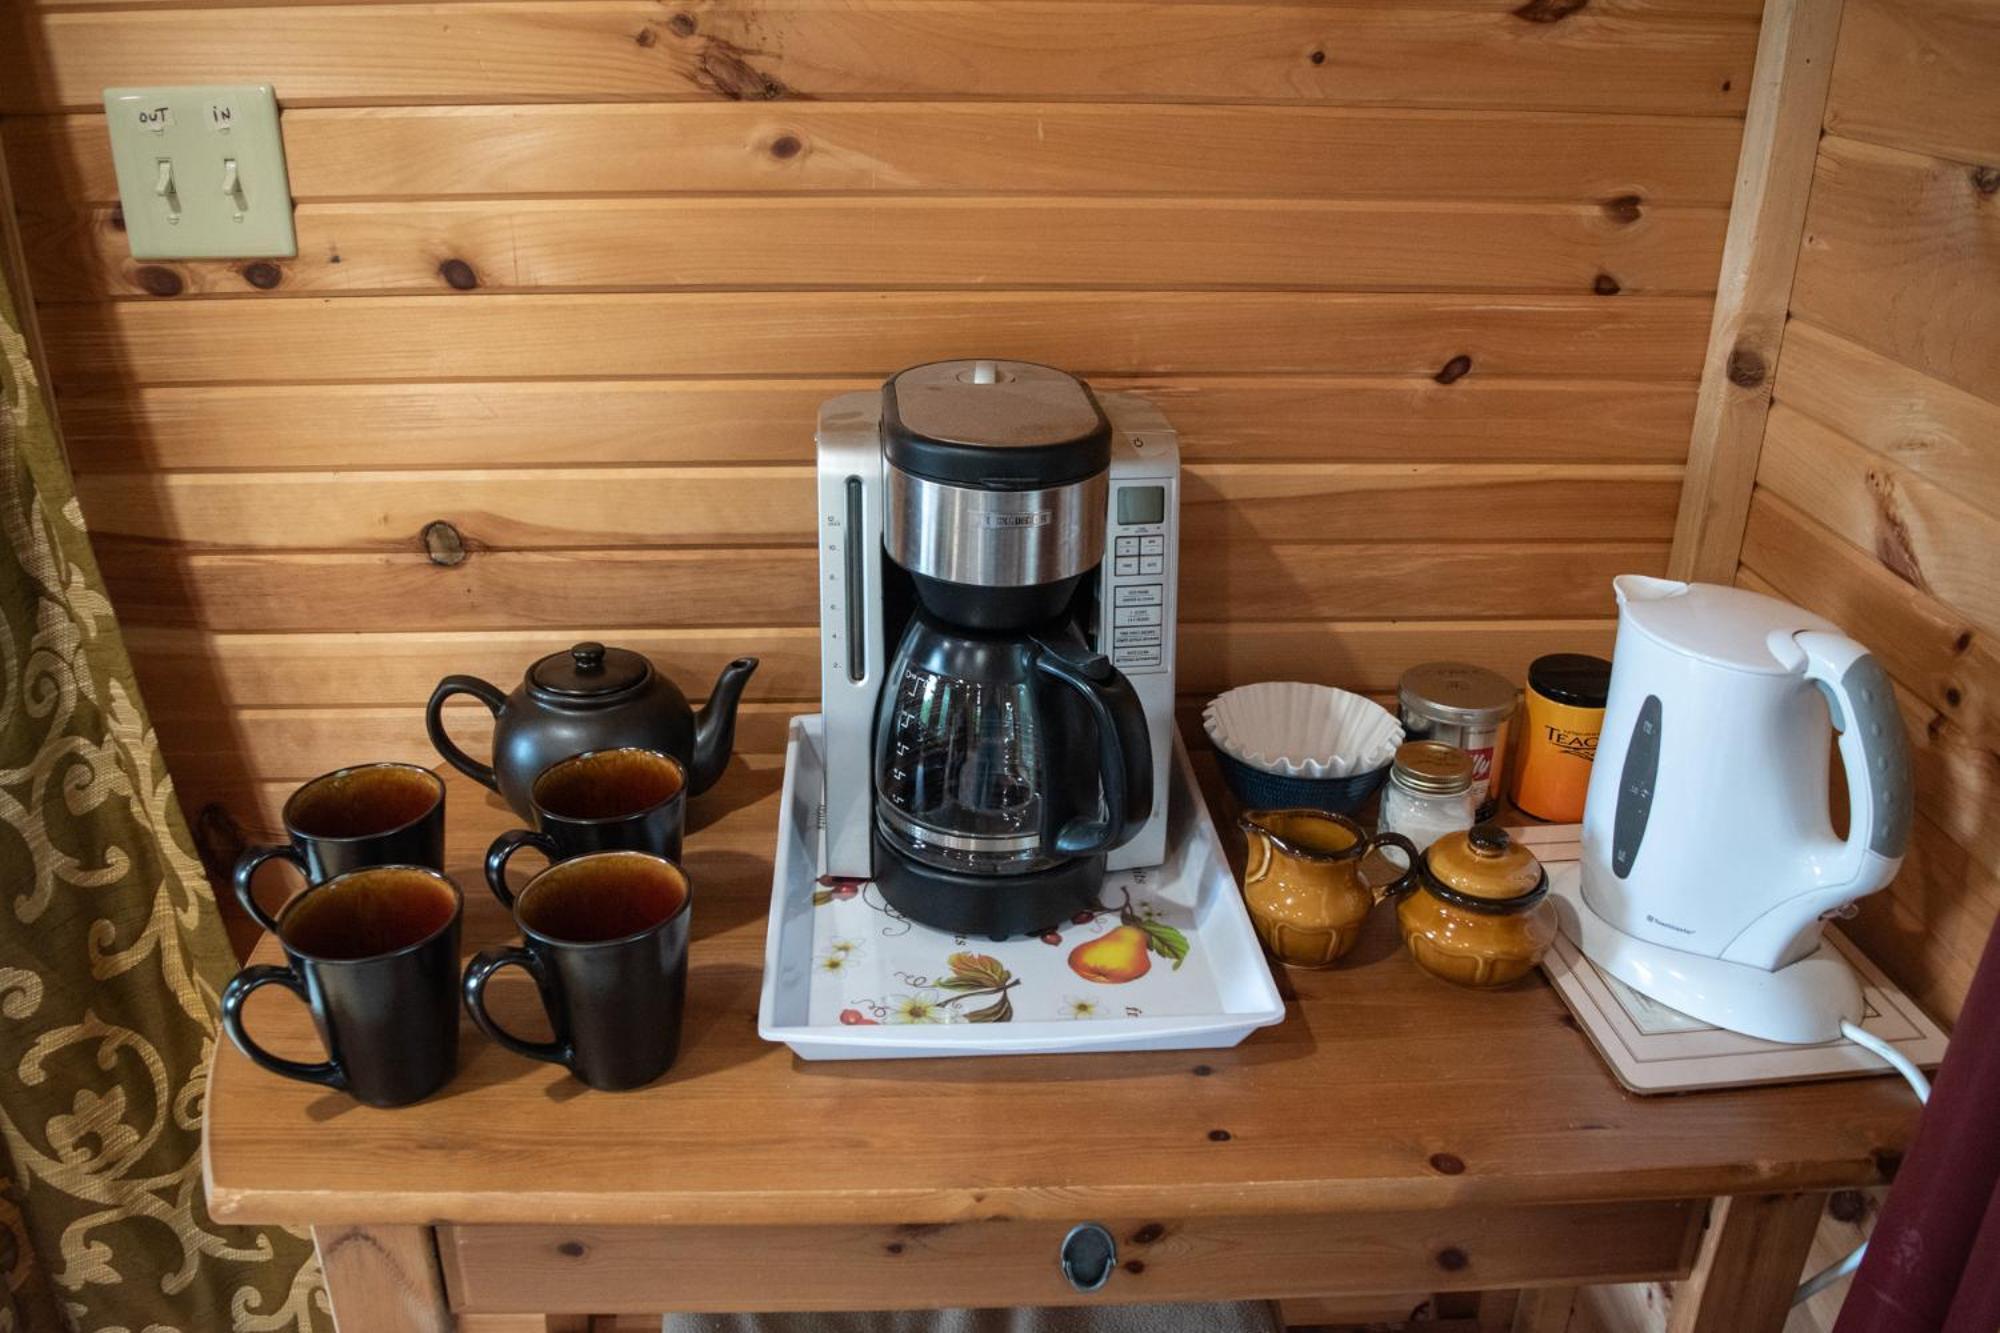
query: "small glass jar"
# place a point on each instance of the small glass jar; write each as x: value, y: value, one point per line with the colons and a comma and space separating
x: 1429, y: 792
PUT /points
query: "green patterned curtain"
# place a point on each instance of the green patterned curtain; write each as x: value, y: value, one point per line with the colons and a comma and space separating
x: 111, y: 957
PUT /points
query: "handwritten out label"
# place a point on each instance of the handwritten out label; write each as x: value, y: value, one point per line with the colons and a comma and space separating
x: 156, y: 118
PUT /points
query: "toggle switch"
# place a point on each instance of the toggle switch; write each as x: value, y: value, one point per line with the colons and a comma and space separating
x: 166, y: 191
x: 232, y: 185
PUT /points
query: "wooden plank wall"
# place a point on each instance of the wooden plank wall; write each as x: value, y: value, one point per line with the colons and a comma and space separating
x: 1878, y: 488
x: 1425, y: 284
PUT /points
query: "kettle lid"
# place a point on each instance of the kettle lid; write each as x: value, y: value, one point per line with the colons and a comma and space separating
x: 1730, y: 627
x: 588, y: 670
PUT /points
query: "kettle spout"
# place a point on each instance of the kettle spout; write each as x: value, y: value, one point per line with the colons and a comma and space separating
x: 715, y: 725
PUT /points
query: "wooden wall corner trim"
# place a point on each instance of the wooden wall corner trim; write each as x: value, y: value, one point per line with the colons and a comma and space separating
x: 1766, y: 225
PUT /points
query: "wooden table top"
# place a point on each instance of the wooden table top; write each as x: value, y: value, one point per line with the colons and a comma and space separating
x: 1382, y: 1089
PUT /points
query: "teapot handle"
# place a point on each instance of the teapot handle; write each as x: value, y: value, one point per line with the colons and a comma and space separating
x: 1124, y: 751
x: 434, y: 723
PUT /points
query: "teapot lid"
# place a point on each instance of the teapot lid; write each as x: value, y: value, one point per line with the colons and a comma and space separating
x: 589, y: 669
x: 1485, y: 870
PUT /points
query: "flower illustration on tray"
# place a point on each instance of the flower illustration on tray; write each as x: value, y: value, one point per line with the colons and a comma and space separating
x: 918, y: 1009
x: 1075, y: 1006
x: 834, y: 962
x: 1125, y: 953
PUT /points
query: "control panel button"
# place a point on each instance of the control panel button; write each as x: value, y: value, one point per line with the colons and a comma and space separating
x: 1135, y: 615
x: 1152, y: 545
x: 1138, y: 657
x: 1152, y: 564
x: 1124, y: 637
x: 1124, y: 566
x: 1126, y: 546
x: 1140, y: 594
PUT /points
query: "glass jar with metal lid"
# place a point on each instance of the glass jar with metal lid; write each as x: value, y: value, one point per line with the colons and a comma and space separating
x: 1467, y: 706
x: 1429, y: 793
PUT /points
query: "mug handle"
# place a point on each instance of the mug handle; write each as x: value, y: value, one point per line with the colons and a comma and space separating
x: 327, y: 1072
x: 246, y: 871
x: 503, y: 849
x: 434, y: 723
x: 479, y: 972
x: 1404, y: 882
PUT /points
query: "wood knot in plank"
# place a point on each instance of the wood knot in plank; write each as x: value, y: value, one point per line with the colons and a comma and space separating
x: 722, y: 67
x: 786, y: 146
x: 893, y: 1247
x: 263, y: 274
x: 1148, y: 1234
x: 1549, y: 11
x: 1203, y: 1071
x: 1847, y: 1205
x: 1963, y: 643
x: 1624, y: 210
x: 1745, y: 367
x: 1953, y: 696
x: 1135, y: 1266
x: 1452, y: 1259
x: 681, y: 25
x: 1447, y: 1164
x: 1605, y: 285
x: 458, y: 274
x: 443, y: 544
x: 646, y: 37
x: 1894, y: 545
x: 157, y: 280
x: 1219, y: 1136
x: 1986, y: 180
x: 572, y: 1249
x: 1454, y: 370
x: 1318, y: 57
x: 219, y: 840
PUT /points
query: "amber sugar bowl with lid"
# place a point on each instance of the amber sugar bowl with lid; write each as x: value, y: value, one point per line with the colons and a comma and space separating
x: 1478, y: 912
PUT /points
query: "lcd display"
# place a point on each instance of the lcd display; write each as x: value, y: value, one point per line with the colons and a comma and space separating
x: 1142, y: 504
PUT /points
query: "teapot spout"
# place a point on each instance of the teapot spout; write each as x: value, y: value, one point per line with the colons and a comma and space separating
x: 715, y: 725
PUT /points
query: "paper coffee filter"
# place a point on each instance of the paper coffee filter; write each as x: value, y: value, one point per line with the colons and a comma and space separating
x: 1301, y: 730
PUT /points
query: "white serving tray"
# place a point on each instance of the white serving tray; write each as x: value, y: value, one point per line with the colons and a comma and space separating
x: 908, y: 991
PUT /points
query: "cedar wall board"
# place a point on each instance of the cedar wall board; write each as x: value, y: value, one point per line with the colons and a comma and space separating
x: 1878, y: 496
x: 1425, y: 285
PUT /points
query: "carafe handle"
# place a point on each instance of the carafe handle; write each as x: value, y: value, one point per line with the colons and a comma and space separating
x: 1124, y: 750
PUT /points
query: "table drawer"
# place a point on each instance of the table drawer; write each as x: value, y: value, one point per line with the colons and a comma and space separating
x: 614, y: 1270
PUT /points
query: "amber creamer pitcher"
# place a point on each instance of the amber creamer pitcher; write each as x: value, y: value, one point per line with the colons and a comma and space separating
x: 1304, y: 886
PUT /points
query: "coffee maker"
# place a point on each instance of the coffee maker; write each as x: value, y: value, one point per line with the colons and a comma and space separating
x: 998, y: 549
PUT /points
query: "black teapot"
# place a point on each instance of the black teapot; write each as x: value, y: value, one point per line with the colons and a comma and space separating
x: 592, y: 698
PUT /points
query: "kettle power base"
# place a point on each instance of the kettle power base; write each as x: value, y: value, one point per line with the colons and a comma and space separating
x: 1169, y: 961
x: 1653, y: 1049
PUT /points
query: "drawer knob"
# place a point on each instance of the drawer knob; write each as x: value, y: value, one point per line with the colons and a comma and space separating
x: 1089, y: 1253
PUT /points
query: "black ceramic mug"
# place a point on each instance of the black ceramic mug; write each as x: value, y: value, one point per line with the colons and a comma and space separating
x: 374, y: 955
x: 385, y: 814
x: 622, y: 800
x: 607, y: 944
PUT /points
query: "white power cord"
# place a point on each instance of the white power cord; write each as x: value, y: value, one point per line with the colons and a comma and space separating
x: 1920, y: 1085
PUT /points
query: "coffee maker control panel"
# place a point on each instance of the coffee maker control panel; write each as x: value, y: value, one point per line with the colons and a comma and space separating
x: 1138, y: 578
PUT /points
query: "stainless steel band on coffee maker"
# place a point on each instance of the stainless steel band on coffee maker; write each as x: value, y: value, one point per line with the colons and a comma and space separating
x: 992, y: 538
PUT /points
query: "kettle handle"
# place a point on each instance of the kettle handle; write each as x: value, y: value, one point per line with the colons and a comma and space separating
x: 1874, y: 750
x: 1124, y: 750
x: 434, y: 723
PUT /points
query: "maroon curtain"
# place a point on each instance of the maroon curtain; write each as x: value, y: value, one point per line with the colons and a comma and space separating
x: 1933, y: 1264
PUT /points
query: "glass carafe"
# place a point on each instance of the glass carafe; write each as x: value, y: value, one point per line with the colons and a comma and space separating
x: 1007, y: 754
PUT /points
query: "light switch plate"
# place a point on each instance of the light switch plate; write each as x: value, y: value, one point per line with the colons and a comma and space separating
x: 201, y: 172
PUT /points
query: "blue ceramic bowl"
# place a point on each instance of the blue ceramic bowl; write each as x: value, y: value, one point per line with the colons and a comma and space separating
x: 1258, y: 790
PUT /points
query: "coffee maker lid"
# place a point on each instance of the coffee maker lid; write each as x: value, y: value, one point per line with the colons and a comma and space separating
x: 995, y: 425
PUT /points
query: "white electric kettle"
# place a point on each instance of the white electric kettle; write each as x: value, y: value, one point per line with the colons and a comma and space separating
x: 1709, y: 857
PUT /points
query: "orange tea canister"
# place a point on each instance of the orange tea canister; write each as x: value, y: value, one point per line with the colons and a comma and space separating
x: 1565, y: 711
